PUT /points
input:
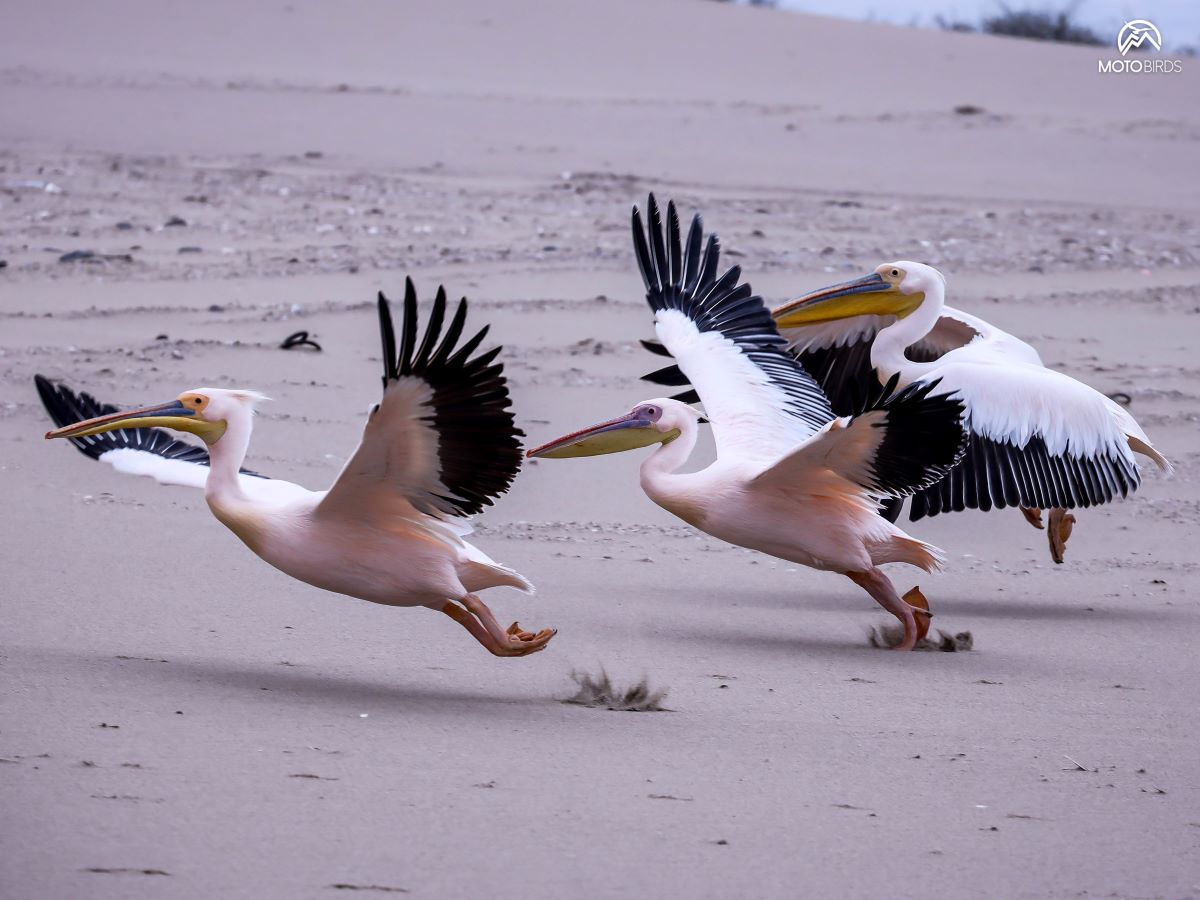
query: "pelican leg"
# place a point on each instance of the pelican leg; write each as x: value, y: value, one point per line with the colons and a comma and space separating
x: 499, y: 641
x: 1033, y: 516
x: 880, y: 587
x: 1058, y: 529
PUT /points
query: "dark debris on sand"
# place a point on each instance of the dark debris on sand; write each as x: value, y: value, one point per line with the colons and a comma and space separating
x: 885, y: 637
x: 600, y: 693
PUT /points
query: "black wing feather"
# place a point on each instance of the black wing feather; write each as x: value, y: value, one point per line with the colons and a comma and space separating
x: 691, y: 258
x: 675, y: 268
x: 712, y: 257
x: 1004, y: 475
x: 387, y: 334
x: 658, y: 250
x: 478, y: 446
x: 433, y: 330
x: 688, y: 282
x: 408, y: 336
x: 923, y: 438
x: 672, y: 376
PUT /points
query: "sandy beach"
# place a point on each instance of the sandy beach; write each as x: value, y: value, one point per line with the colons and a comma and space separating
x: 179, y: 720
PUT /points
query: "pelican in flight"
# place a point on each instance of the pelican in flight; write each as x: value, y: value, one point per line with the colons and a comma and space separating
x: 1038, y: 439
x: 441, y: 445
x: 791, y: 479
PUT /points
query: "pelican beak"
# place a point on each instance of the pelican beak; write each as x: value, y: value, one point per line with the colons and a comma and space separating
x: 629, y: 432
x: 870, y: 295
x: 167, y: 415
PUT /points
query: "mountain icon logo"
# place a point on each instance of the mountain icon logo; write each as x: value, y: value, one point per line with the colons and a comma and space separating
x: 1137, y: 32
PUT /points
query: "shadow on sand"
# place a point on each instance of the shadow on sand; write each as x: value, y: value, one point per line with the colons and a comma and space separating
x: 782, y: 641
x: 274, y: 683
x: 991, y: 607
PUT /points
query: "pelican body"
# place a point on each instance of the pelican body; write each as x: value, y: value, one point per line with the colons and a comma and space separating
x: 791, y: 479
x: 813, y: 520
x: 439, y: 446
x: 1037, y: 438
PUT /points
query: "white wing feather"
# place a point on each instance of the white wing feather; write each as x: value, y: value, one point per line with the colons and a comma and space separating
x: 1016, y: 402
x: 747, y: 410
x: 128, y: 461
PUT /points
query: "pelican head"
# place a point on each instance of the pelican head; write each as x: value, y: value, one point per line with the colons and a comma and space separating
x: 657, y: 421
x: 894, y: 289
x: 205, y: 412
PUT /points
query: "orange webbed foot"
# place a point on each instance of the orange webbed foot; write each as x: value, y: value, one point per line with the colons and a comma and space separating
x: 920, y: 608
x: 1061, y: 524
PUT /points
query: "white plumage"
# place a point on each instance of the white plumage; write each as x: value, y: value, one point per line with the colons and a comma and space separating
x: 791, y: 479
x: 1038, y: 438
x: 439, y: 446
x: 749, y: 412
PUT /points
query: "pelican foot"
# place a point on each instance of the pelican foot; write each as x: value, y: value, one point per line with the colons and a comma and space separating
x: 1033, y: 516
x: 1060, y: 526
x: 920, y: 608
x: 515, y: 630
x: 480, y: 621
x: 519, y: 645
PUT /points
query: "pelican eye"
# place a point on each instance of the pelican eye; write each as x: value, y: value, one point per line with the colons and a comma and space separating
x: 895, y: 273
x: 651, y: 412
x: 194, y: 401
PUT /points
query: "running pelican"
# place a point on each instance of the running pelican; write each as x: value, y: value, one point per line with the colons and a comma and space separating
x: 440, y: 445
x: 791, y: 479
x: 1039, y: 439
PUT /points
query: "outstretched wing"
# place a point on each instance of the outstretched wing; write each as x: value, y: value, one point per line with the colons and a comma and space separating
x: 133, y: 451
x: 442, y: 440
x: 1038, y: 438
x: 901, y: 442
x: 761, y: 401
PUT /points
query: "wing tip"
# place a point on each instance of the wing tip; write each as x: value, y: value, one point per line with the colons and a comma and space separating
x: 467, y: 386
x: 66, y: 407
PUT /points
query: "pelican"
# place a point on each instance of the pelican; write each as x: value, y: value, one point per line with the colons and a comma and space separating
x: 441, y: 445
x: 791, y: 479
x: 1038, y: 438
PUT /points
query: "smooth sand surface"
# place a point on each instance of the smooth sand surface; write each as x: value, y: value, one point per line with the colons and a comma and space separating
x: 179, y: 720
